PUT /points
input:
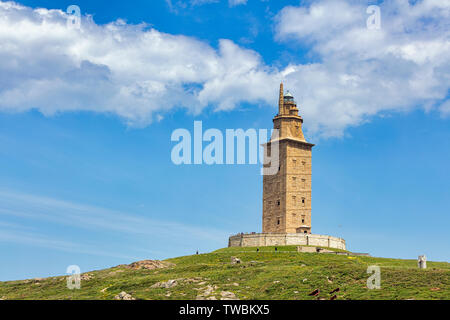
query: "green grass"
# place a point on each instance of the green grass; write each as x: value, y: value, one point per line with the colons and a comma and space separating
x: 267, y: 274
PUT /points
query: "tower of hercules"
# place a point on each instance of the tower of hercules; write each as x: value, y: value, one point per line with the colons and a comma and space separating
x: 287, y: 194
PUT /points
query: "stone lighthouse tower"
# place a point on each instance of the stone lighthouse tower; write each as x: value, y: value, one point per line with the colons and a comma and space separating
x: 287, y: 187
x: 287, y: 194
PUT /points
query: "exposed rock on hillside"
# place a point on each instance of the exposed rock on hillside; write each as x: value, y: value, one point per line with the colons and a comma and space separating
x: 150, y: 265
x: 124, y: 296
x: 165, y: 284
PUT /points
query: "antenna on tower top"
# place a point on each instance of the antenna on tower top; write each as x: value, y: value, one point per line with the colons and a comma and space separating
x: 281, y: 101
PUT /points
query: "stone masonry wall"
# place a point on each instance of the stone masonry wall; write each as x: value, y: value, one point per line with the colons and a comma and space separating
x: 285, y: 239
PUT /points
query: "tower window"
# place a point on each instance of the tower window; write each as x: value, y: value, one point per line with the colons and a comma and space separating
x: 303, y: 220
x: 278, y: 221
x: 278, y: 202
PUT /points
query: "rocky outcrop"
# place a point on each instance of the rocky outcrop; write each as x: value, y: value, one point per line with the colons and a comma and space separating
x: 149, y: 265
x: 124, y: 296
x: 235, y: 260
x: 211, y: 292
x: 165, y: 284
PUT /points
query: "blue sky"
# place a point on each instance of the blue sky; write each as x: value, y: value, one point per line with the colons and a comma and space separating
x: 86, y: 118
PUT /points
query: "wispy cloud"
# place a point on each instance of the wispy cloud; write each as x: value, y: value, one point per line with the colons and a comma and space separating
x: 36, y: 209
x: 39, y: 240
x: 233, y: 3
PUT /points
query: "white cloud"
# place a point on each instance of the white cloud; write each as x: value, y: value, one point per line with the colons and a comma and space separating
x: 233, y: 3
x: 129, y: 70
x: 363, y: 72
x: 202, y: 2
x: 178, y: 6
x: 139, y: 73
x: 445, y: 108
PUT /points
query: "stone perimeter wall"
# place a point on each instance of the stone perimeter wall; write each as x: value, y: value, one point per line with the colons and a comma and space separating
x: 285, y: 239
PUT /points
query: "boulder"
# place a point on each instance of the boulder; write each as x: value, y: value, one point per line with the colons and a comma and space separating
x: 124, y: 296
x: 165, y: 284
x: 86, y: 276
x: 235, y: 260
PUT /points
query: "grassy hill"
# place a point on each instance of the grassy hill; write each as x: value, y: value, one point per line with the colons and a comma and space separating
x: 267, y: 274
